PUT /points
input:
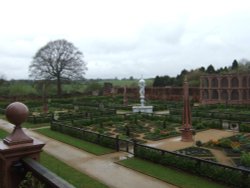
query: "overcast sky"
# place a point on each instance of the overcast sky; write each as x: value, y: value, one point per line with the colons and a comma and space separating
x: 126, y: 38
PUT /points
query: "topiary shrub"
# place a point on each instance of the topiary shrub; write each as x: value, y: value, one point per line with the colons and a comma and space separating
x: 245, y: 159
x: 225, y: 142
x: 198, y: 143
x: 244, y: 128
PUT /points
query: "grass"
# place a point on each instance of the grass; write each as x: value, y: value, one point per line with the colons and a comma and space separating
x: 68, y: 173
x: 2, y: 116
x: 27, y: 124
x: 81, y: 144
x: 32, y: 125
x: 129, y: 83
x: 3, y: 134
x: 178, y: 178
x: 76, y: 178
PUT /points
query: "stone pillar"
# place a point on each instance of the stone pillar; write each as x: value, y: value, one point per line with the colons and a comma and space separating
x: 201, y: 89
x: 229, y: 79
x: 125, y: 98
x: 219, y: 89
x: 16, y: 146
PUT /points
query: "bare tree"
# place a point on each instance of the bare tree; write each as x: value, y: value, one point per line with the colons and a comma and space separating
x: 58, y: 60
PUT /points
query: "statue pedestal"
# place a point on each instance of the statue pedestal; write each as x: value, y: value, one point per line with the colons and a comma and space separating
x: 186, y: 135
x: 143, y: 109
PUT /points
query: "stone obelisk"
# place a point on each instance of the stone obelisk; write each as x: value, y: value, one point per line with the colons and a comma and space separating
x: 186, y: 130
x: 125, y: 97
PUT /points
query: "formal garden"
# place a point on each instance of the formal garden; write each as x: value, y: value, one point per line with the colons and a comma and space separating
x: 99, y: 120
x: 236, y: 147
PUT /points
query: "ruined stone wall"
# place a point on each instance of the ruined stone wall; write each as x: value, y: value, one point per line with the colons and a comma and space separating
x: 225, y: 89
x: 158, y: 93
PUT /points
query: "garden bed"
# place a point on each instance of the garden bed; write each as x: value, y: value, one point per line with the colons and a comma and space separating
x: 195, y: 152
x: 238, y: 163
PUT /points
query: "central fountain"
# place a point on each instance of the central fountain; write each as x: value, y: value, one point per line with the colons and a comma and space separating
x: 142, y: 108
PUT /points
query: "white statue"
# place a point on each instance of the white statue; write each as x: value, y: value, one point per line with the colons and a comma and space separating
x: 142, y: 90
x: 142, y: 108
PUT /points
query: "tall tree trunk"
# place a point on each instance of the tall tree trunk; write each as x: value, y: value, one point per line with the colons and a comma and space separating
x: 59, y: 88
x: 45, y: 102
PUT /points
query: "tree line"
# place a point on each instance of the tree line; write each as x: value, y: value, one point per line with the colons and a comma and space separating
x: 243, y: 66
x: 60, y: 62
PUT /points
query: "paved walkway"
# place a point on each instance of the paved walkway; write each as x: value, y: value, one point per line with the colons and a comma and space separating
x: 221, y: 157
x: 102, y: 167
x: 175, y: 143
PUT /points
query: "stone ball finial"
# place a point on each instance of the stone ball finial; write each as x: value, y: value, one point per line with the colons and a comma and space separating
x: 17, y: 113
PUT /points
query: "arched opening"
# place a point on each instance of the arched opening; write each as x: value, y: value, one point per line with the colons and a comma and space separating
x: 205, y: 94
x: 244, y: 82
x: 205, y: 82
x: 224, y: 82
x: 244, y: 95
x: 215, y: 94
x: 235, y: 95
x: 224, y: 95
x: 214, y: 82
x: 234, y: 82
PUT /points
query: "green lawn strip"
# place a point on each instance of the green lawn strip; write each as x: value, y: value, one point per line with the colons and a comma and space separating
x: 169, y: 175
x: 68, y: 173
x: 32, y: 125
x: 3, y: 134
x: 2, y: 116
x: 81, y: 144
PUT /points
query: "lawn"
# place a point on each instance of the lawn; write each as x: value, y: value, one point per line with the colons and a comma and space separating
x: 3, y: 134
x: 129, y: 83
x: 178, y: 178
x: 81, y: 144
x: 32, y: 125
x: 2, y: 116
x: 68, y: 173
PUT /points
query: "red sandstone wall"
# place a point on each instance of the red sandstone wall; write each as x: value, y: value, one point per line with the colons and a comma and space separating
x: 159, y: 93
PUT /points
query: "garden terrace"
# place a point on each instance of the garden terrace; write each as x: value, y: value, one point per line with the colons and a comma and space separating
x: 207, y: 119
x: 129, y: 126
x: 231, y: 176
x: 234, y: 113
x: 197, y: 152
x: 86, y: 112
x: 217, y: 172
x: 205, y: 168
x: 89, y: 136
x: 237, y: 147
